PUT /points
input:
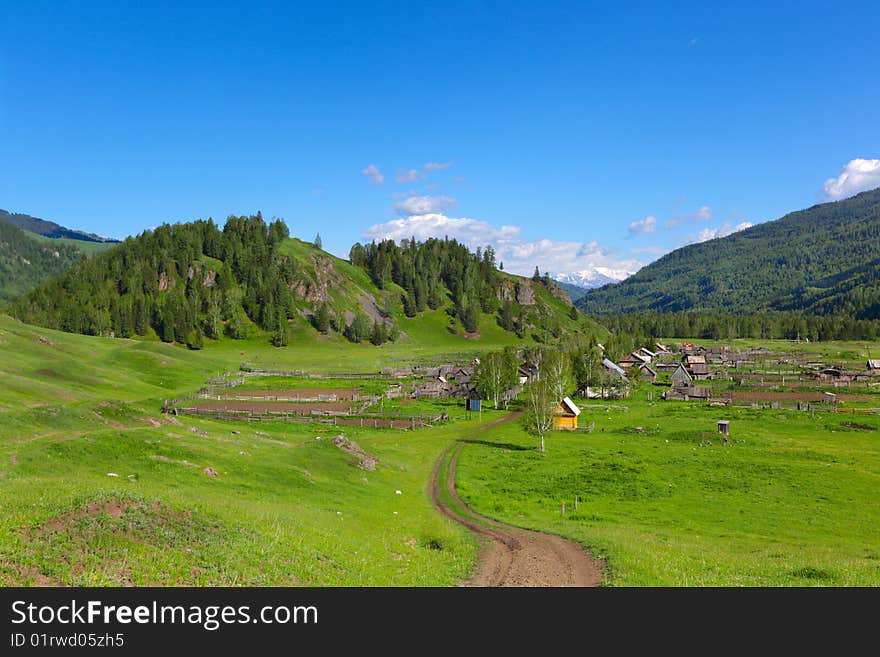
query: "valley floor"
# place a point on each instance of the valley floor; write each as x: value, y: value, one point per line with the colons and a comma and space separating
x: 99, y: 487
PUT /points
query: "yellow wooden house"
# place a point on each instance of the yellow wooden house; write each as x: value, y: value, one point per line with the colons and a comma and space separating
x: 565, y: 415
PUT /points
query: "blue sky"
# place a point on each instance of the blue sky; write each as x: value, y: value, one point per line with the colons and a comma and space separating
x: 572, y: 136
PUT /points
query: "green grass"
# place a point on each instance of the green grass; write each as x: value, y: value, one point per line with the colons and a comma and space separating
x: 285, y: 508
x: 789, y: 502
x: 89, y: 248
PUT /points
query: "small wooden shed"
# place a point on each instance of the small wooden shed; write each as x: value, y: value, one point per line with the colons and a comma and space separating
x: 565, y: 415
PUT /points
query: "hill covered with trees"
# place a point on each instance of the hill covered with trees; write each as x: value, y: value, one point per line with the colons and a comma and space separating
x: 824, y: 260
x: 193, y: 281
x: 49, y: 228
x: 25, y: 261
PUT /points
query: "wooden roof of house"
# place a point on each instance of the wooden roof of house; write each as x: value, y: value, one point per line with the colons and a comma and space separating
x: 614, y: 367
x: 680, y: 372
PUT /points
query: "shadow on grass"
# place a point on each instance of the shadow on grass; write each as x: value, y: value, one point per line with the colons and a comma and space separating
x: 489, y: 443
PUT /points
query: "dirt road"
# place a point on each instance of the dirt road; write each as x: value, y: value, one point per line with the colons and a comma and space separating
x: 513, y: 556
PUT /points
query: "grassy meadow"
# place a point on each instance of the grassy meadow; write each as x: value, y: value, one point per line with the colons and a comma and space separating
x: 786, y: 502
x: 98, y: 488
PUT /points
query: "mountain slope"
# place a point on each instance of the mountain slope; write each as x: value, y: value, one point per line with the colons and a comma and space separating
x: 575, y: 292
x: 822, y: 260
x: 188, y: 282
x: 50, y: 228
x: 25, y: 261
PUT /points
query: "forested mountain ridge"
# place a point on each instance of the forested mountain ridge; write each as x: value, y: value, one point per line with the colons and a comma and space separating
x: 49, y: 228
x: 191, y: 281
x: 25, y: 262
x: 823, y: 260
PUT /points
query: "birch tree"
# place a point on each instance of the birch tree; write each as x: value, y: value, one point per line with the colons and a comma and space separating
x: 495, y: 375
x: 557, y: 373
x: 541, y: 401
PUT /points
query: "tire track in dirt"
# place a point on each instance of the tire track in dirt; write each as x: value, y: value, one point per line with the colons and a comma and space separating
x: 513, y: 556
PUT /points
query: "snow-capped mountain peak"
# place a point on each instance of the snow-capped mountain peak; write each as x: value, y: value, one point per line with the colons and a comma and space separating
x: 594, y: 277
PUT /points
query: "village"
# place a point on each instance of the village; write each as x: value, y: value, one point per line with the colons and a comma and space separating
x: 413, y: 396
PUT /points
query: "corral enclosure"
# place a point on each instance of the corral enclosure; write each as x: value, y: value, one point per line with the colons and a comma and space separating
x: 364, y: 400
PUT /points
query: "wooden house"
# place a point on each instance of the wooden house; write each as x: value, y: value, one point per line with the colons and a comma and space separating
x: 635, y: 359
x: 433, y: 389
x: 614, y: 370
x: 681, y: 377
x: 700, y: 371
x: 688, y: 393
x: 565, y: 415
x: 873, y: 366
x: 647, y: 353
x: 648, y: 374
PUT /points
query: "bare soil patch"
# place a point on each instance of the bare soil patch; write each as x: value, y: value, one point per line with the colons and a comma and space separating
x: 97, y: 541
x: 364, y: 460
x: 51, y: 374
x: 861, y: 427
x: 293, y: 408
x: 294, y: 394
x: 753, y: 396
x: 113, y: 508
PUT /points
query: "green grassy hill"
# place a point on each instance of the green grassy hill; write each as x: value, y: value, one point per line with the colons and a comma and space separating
x: 98, y: 488
x: 823, y: 260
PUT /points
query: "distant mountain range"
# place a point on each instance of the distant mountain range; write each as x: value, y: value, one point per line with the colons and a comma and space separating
x: 49, y: 228
x: 577, y: 284
x: 592, y: 278
x: 824, y: 260
x: 33, y: 250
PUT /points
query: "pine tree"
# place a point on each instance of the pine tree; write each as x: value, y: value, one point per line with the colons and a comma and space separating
x: 318, y: 243
x: 322, y: 318
x: 379, y: 333
x: 470, y: 318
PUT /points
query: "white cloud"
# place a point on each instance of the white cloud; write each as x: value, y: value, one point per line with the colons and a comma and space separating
x: 519, y: 256
x: 703, y: 213
x: 408, y: 176
x: 859, y: 175
x: 646, y: 225
x: 416, y: 205
x: 718, y: 231
x: 436, y: 166
x: 372, y: 172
